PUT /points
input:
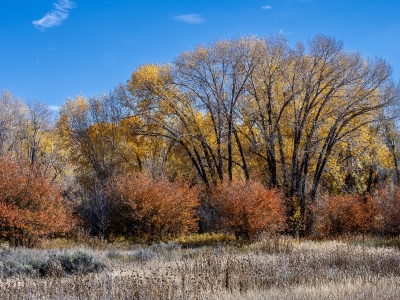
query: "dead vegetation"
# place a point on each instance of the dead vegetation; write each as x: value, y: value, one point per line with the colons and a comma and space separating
x: 273, y: 268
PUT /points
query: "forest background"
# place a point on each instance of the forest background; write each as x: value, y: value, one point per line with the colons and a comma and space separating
x: 240, y: 136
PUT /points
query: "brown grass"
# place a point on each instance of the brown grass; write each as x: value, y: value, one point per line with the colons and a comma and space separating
x: 278, y: 268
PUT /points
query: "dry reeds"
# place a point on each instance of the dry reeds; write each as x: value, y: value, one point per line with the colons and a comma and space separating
x: 278, y: 268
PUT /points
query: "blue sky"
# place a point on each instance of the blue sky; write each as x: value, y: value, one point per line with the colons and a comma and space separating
x: 54, y: 49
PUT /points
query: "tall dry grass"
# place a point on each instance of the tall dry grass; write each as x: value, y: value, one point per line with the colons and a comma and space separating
x: 278, y: 268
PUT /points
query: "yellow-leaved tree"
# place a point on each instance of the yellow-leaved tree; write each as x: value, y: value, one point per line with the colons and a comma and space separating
x: 247, y: 102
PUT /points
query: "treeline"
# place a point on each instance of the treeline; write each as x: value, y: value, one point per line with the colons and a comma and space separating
x: 240, y: 136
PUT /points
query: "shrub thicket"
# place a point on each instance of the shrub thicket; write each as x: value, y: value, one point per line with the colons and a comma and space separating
x: 344, y: 214
x: 376, y: 214
x: 31, y: 206
x: 153, y: 209
x: 24, y: 262
x: 247, y: 209
x: 386, y: 205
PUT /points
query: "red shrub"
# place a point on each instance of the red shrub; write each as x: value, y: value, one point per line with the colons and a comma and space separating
x: 30, y: 206
x: 247, y: 209
x: 151, y: 208
x: 344, y: 214
x: 386, y: 206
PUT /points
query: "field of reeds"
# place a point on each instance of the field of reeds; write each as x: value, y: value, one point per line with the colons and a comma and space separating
x: 271, y: 268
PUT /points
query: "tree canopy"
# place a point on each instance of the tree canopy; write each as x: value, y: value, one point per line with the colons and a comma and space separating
x: 301, y: 130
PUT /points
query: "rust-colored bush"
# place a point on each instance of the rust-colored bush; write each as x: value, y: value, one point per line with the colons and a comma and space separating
x: 151, y: 208
x: 344, y: 214
x: 30, y: 206
x: 247, y: 209
x: 386, y: 205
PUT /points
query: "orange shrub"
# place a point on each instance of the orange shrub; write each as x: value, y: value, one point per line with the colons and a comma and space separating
x: 386, y: 206
x: 30, y: 206
x: 343, y: 214
x: 151, y: 208
x: 247, y: 209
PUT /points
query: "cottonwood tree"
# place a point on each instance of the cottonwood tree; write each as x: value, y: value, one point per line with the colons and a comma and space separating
x: 91, y: 134
x: 309, y: 101
x: 194, y: 102
x: 215, y: 78
x: 12, y: 117
x: 167, y: 113
x: 250, y: 101
x: 391, y: 137
x: 27, y: 132
x: 36, y: 127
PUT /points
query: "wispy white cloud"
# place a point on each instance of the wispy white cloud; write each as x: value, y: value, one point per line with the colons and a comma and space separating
x: 266, y: 7
x: 54, y: 107
x: 283, y: 32
x: 56, y: 16
x: 190, y: 18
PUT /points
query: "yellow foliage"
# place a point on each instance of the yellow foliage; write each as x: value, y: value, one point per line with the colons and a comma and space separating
x: 149, y: 78
x: 205, y: 239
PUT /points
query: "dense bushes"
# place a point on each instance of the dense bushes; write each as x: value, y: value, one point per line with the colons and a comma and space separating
x: 344, y: 214
x: 246, y: 209
x: 30, y: 205
x: 155, y: 209
x: 32, y: 262
x: 134, y: 205
x: 386, y: 205
x: 377, y: 214
x: 149, y: 208
x: 80, y: 262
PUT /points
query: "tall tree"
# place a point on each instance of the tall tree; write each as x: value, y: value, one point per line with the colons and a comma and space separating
x: 37, y: 125
x: 250, y: 100
x: 12, y: 118
x: 195, y: 101
x: 91, y: 135
x: 307, y: 102
x: 391, y: 137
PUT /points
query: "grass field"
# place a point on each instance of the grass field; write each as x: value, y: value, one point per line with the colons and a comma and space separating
x: 277, y: 268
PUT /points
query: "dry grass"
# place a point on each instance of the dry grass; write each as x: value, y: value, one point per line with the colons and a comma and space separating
x: 278, y: 268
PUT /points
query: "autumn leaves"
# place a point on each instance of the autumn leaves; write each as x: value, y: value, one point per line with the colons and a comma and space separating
x: 241, y: 136
x: 257, y: 108
x: 30, y: 206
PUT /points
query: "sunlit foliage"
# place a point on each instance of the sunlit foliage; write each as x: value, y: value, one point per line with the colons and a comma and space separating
x: 31, y: 207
